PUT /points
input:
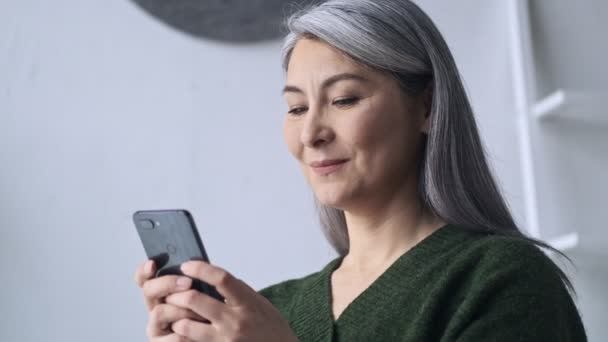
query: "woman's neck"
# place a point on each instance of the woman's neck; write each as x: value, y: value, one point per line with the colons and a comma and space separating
x: 380, y: 234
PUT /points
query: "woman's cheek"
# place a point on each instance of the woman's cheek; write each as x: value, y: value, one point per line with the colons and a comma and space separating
x: 366, y: 128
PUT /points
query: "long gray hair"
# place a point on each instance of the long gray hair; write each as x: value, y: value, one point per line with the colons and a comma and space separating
x: 396, y: 36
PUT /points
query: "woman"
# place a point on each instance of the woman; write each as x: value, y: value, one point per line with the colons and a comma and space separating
x: 380, y: 123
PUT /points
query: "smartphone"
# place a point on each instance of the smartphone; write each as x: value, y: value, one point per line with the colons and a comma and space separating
x: 170, y: 238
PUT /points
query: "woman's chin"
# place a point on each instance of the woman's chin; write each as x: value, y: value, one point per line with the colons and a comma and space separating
x: 331, y: 200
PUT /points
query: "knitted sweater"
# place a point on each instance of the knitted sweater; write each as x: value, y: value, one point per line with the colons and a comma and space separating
x: 455, y: 285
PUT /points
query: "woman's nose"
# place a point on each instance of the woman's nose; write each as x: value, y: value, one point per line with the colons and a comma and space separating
x: 316, y: 131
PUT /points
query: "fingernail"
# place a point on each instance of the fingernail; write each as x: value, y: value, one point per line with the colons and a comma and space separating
x: 183, y: 283
x: 186, y: 264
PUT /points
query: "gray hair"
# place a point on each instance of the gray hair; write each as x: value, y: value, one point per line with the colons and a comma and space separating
x: 396, y: 36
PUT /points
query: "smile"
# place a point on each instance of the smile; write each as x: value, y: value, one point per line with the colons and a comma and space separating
x: 328, y: 168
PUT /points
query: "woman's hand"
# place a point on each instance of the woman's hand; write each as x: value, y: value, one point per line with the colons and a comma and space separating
x: 244, y: 316
x: 161, y: 314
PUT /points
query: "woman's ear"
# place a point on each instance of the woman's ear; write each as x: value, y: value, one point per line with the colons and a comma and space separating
x: 427, y: 103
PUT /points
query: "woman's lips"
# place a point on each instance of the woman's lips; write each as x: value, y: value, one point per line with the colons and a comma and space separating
x: 328, y: 166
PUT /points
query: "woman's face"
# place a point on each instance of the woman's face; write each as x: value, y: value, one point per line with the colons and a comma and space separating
x: 355, y: 118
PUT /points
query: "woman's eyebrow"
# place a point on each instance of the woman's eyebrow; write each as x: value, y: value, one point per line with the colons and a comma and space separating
x: 327, y: 82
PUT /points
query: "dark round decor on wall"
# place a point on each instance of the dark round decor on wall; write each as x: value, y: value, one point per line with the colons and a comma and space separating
x: 235, y: 21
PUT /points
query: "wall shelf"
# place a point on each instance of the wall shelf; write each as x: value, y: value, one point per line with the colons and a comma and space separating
x: 564, y: 242
x: 572, y: 105
x: 552, y: 183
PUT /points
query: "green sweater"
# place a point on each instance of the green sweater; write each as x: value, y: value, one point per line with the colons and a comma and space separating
x: 455, y: 285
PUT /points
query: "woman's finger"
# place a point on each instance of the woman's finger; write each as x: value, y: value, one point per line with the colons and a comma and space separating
x: 157, y: 288
x: 144, y: 272
x: 235, y: 291
x: 171, y: 338
x: 196, y: 331
x: 162, y: 316
x: 199, y: 303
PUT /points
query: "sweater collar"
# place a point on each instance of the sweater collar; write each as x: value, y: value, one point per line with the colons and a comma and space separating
x: 314, y: 315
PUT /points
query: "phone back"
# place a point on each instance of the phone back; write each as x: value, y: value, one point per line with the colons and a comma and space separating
x: 169, y: 237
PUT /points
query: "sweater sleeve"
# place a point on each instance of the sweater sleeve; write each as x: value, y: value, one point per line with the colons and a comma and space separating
x: 519, y: 296
x: 525, y: 318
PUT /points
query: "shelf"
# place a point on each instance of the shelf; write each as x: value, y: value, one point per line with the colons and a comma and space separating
x: 572, y: 105
x: 564, y: 242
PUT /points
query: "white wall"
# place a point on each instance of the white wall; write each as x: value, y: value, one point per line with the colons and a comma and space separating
x: 104, y: 111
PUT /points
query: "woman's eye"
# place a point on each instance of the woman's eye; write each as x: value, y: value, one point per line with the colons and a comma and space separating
x: 297, y: 111
x: 341, y: 103
x: 346, y: 101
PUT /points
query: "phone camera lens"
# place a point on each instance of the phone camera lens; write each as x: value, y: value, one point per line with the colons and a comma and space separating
x: 147, y: 224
